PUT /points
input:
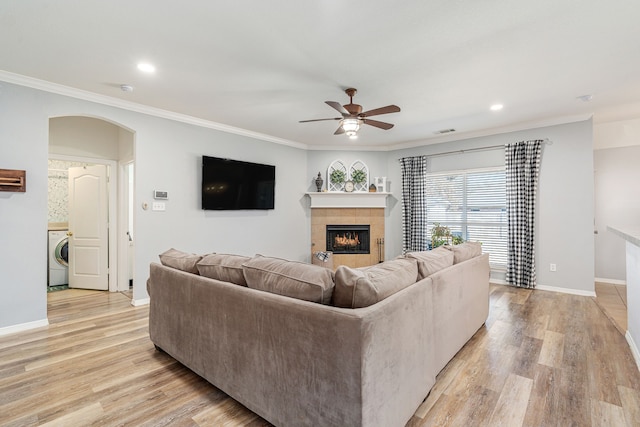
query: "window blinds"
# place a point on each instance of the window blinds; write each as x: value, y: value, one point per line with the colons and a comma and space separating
x: 473, y: 205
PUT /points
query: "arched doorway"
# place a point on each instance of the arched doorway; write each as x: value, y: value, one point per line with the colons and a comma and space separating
x: 80, y: 140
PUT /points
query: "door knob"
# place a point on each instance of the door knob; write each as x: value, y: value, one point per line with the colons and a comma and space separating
x: 69, y: 233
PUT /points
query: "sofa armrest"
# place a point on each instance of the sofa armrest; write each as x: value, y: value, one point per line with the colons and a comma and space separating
x: 460, y: 306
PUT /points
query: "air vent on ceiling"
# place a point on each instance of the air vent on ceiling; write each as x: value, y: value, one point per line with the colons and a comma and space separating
x: 443, y: 131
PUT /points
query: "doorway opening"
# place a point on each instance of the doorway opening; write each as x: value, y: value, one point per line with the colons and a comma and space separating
x: 79, y: 207
x: 97, y: 216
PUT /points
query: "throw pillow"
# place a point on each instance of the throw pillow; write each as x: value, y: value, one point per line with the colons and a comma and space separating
x: 431, y: 261
x: 290, y: 278
x: 362, y: 287
x: 465, y: 251
x: 180, y: 260
x: 227, y: 268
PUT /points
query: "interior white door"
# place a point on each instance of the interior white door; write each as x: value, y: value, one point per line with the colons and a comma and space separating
x: 88, y: 228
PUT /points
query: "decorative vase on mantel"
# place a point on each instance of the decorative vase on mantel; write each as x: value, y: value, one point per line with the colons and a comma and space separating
x: 319, y: 182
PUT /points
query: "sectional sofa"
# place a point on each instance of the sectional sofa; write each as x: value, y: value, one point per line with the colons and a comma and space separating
x: 302, y: 345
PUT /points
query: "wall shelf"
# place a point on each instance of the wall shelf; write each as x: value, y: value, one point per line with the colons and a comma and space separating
x: 341, y: 199
x: 13, y: 180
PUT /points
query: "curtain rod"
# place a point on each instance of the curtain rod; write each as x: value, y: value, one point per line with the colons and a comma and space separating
x: 490, y: 147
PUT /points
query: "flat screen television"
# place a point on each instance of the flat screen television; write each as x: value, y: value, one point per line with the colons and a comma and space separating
x: 236, y: 185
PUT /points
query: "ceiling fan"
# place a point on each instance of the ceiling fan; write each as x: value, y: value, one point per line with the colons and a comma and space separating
x: 353, y: 117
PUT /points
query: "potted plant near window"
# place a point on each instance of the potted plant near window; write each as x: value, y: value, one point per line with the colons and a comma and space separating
x: 441, y: 235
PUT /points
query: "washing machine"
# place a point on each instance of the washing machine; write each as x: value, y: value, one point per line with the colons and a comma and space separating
x: 58, y: 258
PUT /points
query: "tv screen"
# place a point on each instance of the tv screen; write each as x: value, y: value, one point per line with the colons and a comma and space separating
x: 236, y: 185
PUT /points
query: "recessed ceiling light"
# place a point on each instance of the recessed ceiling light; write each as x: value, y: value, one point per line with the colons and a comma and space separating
x: 126, y: 88
x: 145, y: 67
x: 585, y: 98
x: 496, y: 107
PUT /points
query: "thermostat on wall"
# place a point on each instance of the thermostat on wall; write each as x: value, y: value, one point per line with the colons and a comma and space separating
x: 160, y: 195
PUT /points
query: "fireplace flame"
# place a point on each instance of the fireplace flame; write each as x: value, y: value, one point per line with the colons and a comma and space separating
x: 346, y: 240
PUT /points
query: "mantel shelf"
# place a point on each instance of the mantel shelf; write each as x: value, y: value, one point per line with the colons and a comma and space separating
x: 341, y: 199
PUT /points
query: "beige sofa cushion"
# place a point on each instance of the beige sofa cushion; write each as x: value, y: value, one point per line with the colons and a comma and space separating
x: 227, y: 268
x: 465, y: 251
x: 362, y: 287
x: 290, y: 278
x: 180, y: 260
x: 431, y: 261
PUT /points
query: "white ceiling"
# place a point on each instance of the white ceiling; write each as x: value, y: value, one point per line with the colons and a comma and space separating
x: 263, y: 65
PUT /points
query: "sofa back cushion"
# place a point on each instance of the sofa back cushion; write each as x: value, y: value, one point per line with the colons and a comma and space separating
x: 362, y: 287
x: 465, y: 251
x: 431, y: 261
x: 290, y: 278
x: 227, y: 268
x: 180, y: 260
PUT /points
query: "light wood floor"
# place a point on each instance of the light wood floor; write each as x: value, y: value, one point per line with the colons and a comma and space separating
x: 612, y: 299
x: 543, y: 359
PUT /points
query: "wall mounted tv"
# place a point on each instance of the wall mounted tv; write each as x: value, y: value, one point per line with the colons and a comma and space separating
x: 237, y: 185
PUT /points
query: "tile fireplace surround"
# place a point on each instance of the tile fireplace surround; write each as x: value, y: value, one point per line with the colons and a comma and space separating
x: 374, y: 217
x: 341, y: 209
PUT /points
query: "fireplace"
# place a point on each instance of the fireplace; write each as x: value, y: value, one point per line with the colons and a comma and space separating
x: 348, y: 239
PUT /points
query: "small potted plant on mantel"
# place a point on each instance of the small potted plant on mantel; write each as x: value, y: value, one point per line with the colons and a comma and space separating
x: 358, y: 177
x: 337, y: 178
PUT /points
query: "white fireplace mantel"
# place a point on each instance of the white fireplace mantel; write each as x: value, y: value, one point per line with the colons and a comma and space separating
x: 341, y: 199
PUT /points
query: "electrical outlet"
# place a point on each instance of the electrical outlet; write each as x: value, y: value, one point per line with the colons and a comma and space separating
x: 552, y: 267
x: 158, y: 206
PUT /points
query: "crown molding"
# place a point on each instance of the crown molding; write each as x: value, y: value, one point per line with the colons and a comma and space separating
x: 59, y: 89
x: 84, y: 95
x: 553, y: 121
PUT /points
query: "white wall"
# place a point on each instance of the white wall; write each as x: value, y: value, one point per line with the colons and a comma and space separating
x: 23, y: 216
x: 319, y: 161
x: 84, y: 137
x: 621, y: 133
x: 167, y: 157
x: 564, y: 234
x: 617, y: 203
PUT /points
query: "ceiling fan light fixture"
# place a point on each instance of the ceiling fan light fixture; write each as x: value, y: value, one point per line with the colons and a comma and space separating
x: 353, y: 116
x: 350, y: 125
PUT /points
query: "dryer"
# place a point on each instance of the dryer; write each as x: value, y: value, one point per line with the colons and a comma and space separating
x: 58, y: 258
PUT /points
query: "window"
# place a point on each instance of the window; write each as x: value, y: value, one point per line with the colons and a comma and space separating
x: 473, y: 205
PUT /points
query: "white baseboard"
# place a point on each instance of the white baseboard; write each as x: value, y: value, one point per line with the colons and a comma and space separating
x: 612, y: 281
x: 634, y: 348
x: 551, y: 288
x: 567, y: 290
x: 139, y: 302
x: 23, y: 327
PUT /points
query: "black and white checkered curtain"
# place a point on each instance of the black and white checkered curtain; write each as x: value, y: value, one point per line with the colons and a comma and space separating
x: 414, y: 204
x: 522, y: 162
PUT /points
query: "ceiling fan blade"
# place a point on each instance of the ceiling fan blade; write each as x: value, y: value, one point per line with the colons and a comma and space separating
x: 382, y: 110
x: 339, y: 131
x: 381, y: 125
x: 319, y: 120
x: 338, y: 107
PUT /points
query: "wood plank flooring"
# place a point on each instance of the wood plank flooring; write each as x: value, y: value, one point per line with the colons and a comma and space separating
x: 612, y: 299
x: 542, y: 359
